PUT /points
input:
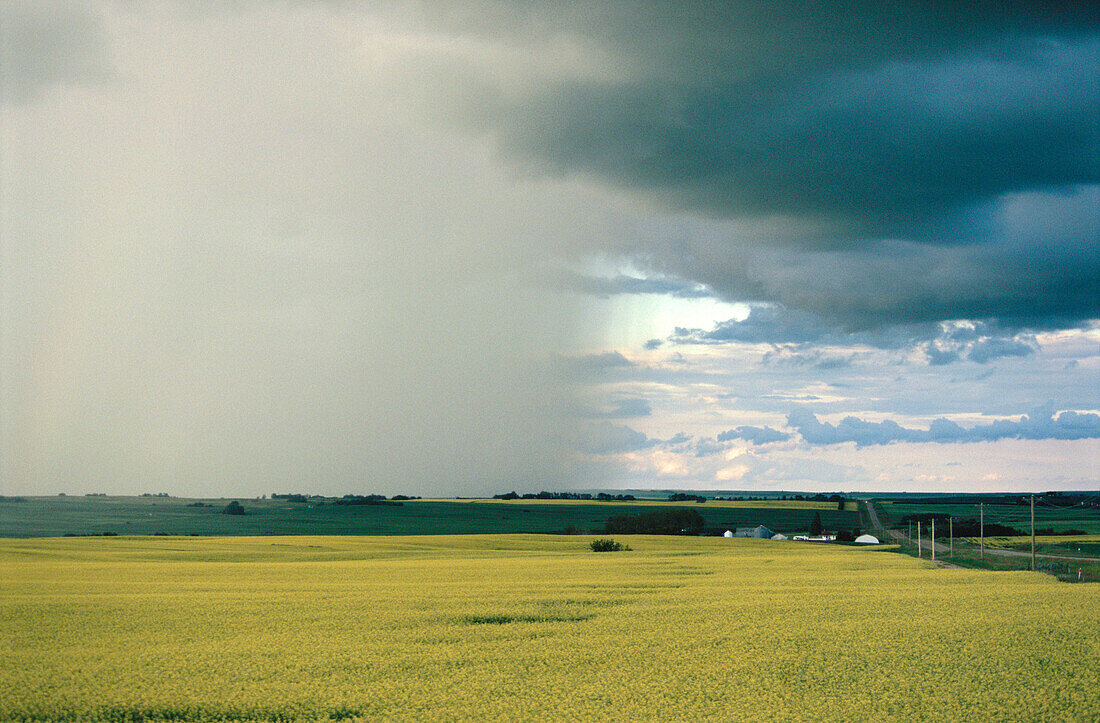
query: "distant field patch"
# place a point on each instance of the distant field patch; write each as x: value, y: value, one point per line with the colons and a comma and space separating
x: 1066, y: 545
x: 727, y: 504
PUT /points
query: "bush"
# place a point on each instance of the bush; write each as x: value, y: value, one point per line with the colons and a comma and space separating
x: 603, y: 545
x: 234, y: 508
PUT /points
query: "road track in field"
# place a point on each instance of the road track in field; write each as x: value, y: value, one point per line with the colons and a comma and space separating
x: 939, y: 547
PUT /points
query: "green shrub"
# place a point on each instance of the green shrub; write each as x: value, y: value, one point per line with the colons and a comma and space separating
x: 604, y: 545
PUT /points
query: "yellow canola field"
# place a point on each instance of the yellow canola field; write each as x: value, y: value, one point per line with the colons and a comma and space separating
x: 530, y: 627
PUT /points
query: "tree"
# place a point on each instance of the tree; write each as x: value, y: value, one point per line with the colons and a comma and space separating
x: 234, y: 508
x: 815, y: 526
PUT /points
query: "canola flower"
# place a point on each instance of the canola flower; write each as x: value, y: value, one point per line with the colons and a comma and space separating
x: 529, y: 627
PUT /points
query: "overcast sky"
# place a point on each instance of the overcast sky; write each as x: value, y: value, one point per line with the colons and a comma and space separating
x: 458, y: 249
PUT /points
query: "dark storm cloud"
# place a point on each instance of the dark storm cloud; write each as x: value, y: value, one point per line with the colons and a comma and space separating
x: 869, y: 114
x: 794, y: 332
x: 43, y: 44
x: 1040, y: 423
x: 880, y: 163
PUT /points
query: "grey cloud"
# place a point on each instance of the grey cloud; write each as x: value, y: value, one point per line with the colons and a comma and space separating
x: 754, y: 435
x: 765, y: 324
x: 608, y: 438
x: 43, y: 44
x: 653, y: 344
x: 589, y: 365
x: 1041, y: 423
x: 792, y: 331
x: 940, y: 357
x: 622, y: 409
x: 980, y: 342
x: 612, y: 286
x: 987, y: 350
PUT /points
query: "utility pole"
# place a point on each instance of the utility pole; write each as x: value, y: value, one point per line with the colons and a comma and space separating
x: 932, y: 539
x: 982, y: 528
x: 951, y: 531
x: 1033, y: 532
x: 918, y: 540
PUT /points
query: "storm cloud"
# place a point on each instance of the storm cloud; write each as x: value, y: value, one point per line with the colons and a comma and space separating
x: 873, y: 164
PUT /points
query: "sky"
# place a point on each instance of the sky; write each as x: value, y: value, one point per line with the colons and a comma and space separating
x: 455, y: 249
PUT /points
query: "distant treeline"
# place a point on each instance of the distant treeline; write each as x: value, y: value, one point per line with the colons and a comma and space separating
x: 368, y: 500
x: 544, y: 495
x: 659, y: 522
x: 973, y: 527
x: 396, y: 500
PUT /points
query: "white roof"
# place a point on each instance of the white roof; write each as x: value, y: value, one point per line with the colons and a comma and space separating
x: 728, y: 534
x: 867, y: 540
x: 779, y: 536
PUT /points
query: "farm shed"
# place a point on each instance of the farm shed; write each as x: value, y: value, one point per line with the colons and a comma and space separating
x: 728, y: 534
x: 760, y: 532
x: 867, y: 540
x: 779, y: 536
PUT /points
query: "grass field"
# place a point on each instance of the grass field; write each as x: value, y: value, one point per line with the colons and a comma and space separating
x: 59, y: 516
x: 1086, y: 519
x: 1068, y: 545
x: 530, y: 627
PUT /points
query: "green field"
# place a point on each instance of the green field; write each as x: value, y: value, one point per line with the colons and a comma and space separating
x: 59, y: 516
x: 530, y: 627
x: 1086, y: 519
x: 1064, y: 545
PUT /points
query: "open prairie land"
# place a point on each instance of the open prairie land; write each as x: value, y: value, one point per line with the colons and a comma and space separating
x: 58, y: 516
x: 530, y: 627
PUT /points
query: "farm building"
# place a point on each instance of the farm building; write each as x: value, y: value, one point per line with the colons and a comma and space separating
x: 760, y: 532
x: 728, y: 534
x: 779, y: 536
x: 867, y: 540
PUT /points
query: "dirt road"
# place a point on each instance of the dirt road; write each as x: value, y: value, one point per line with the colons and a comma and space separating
x: 901, y: 537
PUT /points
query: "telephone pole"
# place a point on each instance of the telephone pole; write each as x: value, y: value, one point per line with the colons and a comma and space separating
x: 1033, y: 532
x: 951, y: 531
x: 932, y: 539
x: 981, y: 529
x: 918, y: 540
